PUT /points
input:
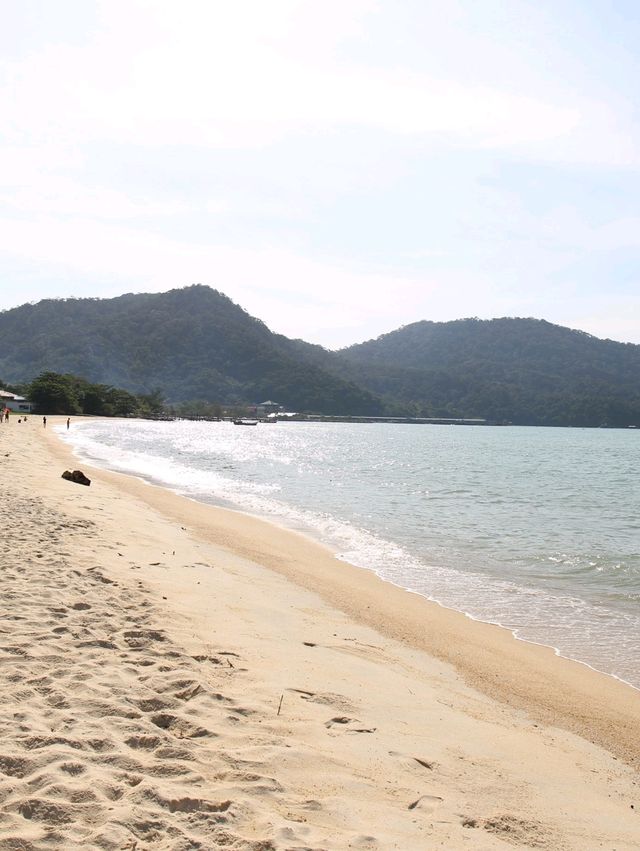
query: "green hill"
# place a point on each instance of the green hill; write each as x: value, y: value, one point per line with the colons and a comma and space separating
x: 526, y: 371
x: 193, y: 343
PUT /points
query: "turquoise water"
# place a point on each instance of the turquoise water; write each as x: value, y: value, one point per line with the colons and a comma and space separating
x: 535, y: 529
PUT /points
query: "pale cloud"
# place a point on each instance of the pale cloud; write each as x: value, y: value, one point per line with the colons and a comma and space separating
x: 61, y: 197
x: 567, y: 228
x: 288, y: 153
x: 617, y: 234
x: 245, y: 74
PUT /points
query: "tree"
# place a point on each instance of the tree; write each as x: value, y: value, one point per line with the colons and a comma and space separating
x: 51, y: 393
x: 151, y: 404
x: 122, y: 403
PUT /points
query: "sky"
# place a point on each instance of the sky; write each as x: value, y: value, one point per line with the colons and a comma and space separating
x: 339, y: 168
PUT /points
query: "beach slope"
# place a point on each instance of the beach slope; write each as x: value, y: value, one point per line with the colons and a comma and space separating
x: 177, y: 676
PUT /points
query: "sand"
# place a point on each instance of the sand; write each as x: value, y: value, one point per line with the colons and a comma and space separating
x: 175, y: 676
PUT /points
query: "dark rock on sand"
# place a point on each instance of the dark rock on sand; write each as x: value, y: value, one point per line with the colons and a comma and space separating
x: 77, y: 476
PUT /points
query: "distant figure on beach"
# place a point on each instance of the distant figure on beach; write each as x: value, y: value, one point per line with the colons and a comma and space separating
x: 68, y: 421
x: 44, y: 422
x: 6, y: 415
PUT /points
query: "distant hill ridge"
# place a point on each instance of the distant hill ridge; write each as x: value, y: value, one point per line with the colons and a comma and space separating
x: 520, y: 370
x: 195, y: 343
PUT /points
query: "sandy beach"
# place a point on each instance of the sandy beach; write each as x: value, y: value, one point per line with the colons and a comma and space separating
x: 176, y: 676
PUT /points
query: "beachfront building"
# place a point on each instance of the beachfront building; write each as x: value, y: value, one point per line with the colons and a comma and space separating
x: 14, y: 402
x: 264, y: 409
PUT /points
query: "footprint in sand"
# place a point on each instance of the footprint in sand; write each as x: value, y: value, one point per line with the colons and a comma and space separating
x: 426, y: 803
x: 349, y: 725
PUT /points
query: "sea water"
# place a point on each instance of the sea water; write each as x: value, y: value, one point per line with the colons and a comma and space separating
x: 536, y: 529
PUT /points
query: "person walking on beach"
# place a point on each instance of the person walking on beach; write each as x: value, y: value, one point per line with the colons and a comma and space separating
x: 44, y: 422
x: 68, y: 421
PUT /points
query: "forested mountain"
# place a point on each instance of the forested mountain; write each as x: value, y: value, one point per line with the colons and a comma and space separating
x: 195, y: 343
x: 192, y: 343
x: 518, y: 370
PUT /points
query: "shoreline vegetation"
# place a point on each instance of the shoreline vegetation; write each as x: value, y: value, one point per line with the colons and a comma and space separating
x: 178, y: 673
x: 53, y: 393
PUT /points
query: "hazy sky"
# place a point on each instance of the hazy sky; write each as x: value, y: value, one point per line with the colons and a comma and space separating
x: 337, y: 167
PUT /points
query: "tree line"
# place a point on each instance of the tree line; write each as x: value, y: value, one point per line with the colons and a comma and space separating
x: 55, y: 393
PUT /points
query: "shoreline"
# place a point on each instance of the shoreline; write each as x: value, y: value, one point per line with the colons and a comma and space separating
x: 313, y: 536
x: 177, y: 676
x: 524, y: 675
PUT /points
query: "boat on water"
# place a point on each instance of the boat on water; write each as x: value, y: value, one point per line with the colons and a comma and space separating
x: 245, y: 422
